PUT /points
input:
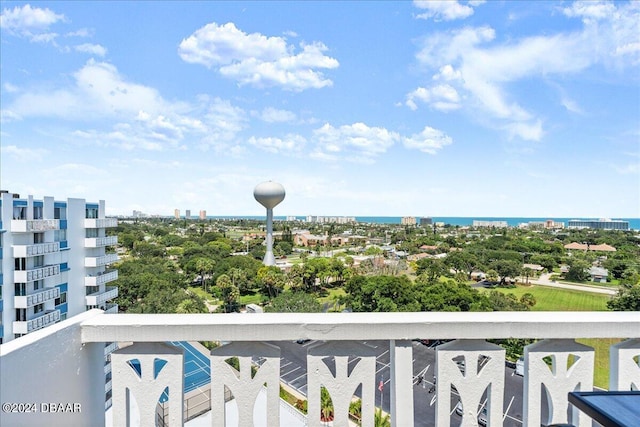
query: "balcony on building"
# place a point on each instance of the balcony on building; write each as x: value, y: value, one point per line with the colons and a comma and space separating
x: 41, y: 320
x: 78, y: 344
x: 23, y: 276
x: 23, y: 251
x: 34, y: 225
x: 98, y: 242
x: 100, y: 260
x: 99, y: 298
x: 100, y: 222
x: 101, y: 278
x: 111, y: 308
x: 38, y: 297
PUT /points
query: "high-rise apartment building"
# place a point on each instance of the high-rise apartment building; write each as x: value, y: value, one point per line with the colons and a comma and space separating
x: 176, y: 213
x: 187, y: 214
x: 600, y: 224
x: 203, y: 215
x: 54, y: 262
x: 408, y: 220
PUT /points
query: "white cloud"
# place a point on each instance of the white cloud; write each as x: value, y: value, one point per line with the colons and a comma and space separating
x: 440, y: 97
x: 357, y: 142
x: 93, y: 49
x: 30, y: 22
x: 447, y: 10
x: 289, y: 145
x: 482, y: 73
x: 430, y: 140
x: 256, y: 59
x: 274, y: 115
x: 23, y: 154
x: 7, y: 116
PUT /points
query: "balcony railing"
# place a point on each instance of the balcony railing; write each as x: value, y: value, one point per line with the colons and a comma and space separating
x: 99, y: 298
x: 36, y: 273
x: 23, y: 251
x: 339, y: 361
x: 34, y: 225
x: 100, y: 222
x: 46, y: 319
x: 37, y: 297
x: 101, y: 260
x: 97, y: 242
x: 101, y: 278
x: 111, y: 308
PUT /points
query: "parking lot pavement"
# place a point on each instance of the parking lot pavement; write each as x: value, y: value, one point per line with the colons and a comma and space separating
x: 293, y: 372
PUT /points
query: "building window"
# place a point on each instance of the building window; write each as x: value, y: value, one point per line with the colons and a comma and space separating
x: 38, y: 238
x: 38, y: 284
x: 19, y: 212
x: 20, y: 289
x: 91, y: 213
x: 21, y: 314
x: 38, y: 261
x: 63, y: 316
x: 62, y: 299
x: 91, y: 232
x: 37, y: 212
x: 60, y: 235
x: 20, y: 264
x: 39, y: 308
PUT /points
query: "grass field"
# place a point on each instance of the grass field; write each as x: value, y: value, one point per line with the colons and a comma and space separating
x: 557, y: 299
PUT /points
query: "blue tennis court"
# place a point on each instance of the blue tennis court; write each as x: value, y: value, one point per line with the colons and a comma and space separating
x: 197, y: 369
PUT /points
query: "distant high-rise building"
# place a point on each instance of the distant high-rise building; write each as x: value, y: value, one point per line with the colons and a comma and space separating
x: 600, y: 224
x: 494, y: 224
x: 408, y: 220
x: 203, y: 215
x: 424, y: 221
x: 176, y: 213
x: 187, y: 214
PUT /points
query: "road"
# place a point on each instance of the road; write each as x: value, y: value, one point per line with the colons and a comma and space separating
x: 544, y: 281
x: 293, y: 372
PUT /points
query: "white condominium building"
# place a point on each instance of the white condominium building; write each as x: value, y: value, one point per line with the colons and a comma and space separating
x: 53, y: 262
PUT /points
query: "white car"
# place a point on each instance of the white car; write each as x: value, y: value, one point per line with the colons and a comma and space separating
x: 520, y: 367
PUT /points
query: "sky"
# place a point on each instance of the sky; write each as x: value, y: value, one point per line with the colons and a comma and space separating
x: 369, y: 108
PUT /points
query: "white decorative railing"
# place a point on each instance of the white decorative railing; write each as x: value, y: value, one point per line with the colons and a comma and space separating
x: 23, y: 251
x: 101, y: 260
x: 25, y: 327
x: 37, y: 297
x: 99, y: 298
x: 100, y: 222
x: 340, y: 362
x: 31, y: 225
x: 36, y: 273
x: 97, y: 242
x: 101, y: 278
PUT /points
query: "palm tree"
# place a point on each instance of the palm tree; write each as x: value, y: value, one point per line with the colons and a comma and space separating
x: 380, y: 420
x: 205, y: 266
x: 326, y: 405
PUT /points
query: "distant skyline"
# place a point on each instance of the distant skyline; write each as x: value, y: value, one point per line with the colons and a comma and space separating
x: 398, y: 108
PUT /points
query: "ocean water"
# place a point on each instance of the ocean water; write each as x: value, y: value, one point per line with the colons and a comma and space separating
x: 634, y: 223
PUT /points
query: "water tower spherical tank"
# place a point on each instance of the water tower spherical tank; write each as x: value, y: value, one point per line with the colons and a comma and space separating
x: 269, y: 194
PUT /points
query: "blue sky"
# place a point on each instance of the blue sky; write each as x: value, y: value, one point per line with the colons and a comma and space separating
x: 469, y: 108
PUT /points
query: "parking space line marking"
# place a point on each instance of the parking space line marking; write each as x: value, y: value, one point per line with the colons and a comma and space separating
x: 514, y: 419
x: 508, y: 407
x: 296, y: 368
x: 285, y: 365
x: 383, y: 367
x: 297, y: 378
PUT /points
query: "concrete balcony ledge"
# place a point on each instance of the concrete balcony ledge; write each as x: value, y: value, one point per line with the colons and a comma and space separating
x: 37, y: 297
x: 96, y: 242
x: 100, y: 298
x: 23, y: 251
x: 101, y: 260
x: 100, y: 222
x: 31, y: 225
x: 359, y: 326
x: 36, y: 273
x: 101, y: 278
x: 36, y: 323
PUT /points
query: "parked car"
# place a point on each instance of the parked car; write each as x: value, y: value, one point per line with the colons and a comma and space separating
x: 520, y: 367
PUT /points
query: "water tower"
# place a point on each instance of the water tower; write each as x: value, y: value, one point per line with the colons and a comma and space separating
x: 269, y: 194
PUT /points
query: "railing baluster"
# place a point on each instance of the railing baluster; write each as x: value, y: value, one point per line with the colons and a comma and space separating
x: 558, y: 379
x: 625, y: 371
x: 401, y: 366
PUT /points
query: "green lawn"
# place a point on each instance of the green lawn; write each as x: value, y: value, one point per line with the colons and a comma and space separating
x: 557, y: 299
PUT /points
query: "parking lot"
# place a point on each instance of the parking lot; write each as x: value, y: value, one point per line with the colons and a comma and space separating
x: 293, y: 372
